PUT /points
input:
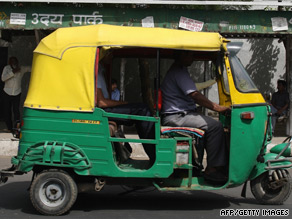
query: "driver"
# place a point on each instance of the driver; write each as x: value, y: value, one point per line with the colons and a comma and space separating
x: 179, y: 98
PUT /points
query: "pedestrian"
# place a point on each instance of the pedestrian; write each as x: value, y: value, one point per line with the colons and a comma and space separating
x: 11, y: 76
x: 280, y: 103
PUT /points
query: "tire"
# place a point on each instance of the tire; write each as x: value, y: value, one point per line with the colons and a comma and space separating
x: 267, y: 195
x: 53, y: 192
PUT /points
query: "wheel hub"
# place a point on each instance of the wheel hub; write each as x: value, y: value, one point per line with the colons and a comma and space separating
x: 53, y: 192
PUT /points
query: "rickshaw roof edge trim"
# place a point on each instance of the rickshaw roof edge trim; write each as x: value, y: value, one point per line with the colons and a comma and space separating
x: 58, y: 42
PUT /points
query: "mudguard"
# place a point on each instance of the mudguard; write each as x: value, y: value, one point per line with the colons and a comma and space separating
x: 270, y: 163
x: 284, y: 149
x: 54, y: 154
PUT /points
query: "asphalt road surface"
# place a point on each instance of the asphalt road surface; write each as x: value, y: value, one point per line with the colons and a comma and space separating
x: 118, y: 202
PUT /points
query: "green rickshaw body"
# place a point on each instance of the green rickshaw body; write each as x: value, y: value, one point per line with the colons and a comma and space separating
x: 63, y: 124
x: 92, y: 152
x: 61, y: 113
x: 247, y: 140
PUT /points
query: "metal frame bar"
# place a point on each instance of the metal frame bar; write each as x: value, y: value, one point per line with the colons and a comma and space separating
x: 165, y: 2
x: 270, y: 167
x: 157, y: 81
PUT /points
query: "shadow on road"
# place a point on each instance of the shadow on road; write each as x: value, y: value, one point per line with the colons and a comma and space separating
x: 15, y: 196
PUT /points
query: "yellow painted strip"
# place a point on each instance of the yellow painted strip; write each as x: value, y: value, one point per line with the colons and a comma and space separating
x: 85, y: 121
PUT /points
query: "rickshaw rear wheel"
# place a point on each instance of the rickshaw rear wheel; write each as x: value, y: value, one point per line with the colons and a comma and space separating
x: 265, y: 193
x: 53, y: 192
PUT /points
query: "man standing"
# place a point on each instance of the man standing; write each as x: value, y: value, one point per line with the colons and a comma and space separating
x: 11, y: 76
x: 180, y: 96
x: 280, y: 102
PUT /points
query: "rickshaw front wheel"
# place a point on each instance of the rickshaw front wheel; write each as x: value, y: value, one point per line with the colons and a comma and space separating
x: 269, y: 192
x: 53, y: 192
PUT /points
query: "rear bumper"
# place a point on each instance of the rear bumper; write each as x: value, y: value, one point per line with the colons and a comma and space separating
x: 6, y: 173
x: 11, y: 171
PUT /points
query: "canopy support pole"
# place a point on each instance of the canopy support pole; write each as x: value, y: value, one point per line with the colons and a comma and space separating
x: 157, y: 82
x: 288, y: 47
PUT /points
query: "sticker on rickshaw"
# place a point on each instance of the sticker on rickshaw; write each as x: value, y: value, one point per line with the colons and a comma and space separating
x: 85, y: 121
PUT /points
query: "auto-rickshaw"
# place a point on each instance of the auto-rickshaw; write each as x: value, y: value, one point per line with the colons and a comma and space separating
x: 71, y: 145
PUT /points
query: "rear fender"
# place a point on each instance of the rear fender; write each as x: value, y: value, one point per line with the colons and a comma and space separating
x: 55, y: 154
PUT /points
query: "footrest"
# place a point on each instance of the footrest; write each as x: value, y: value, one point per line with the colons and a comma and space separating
x: 193, y: 131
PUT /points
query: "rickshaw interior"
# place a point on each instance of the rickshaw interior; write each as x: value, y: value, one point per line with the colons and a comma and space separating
x: 139, y: 72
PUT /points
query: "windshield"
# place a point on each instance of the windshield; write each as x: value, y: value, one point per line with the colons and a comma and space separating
x: 242, y: 80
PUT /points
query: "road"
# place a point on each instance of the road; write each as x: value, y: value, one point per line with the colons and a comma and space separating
x: 116, y: 202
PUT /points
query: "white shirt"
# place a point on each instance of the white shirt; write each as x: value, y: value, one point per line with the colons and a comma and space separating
x: 13, y: 80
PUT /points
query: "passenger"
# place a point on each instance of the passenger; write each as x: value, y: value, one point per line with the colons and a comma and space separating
x: 115, y: 91
x: 145, y: 130
x: 179, y: 98
x: 280, y: 103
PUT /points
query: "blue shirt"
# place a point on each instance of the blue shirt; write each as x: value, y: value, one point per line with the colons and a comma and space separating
x: 176, y: 87
x: 116, y: 94
x: 101, y: 81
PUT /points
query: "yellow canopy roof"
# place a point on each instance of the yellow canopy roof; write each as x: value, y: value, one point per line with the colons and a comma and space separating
x: 63, y: 68
x: 108, y: 35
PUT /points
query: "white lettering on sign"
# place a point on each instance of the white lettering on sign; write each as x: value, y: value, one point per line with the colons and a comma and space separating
x: 242, y: 27
x: 17, y: 18
x: 95, y: 18
x: 190, y: 24
x: 46, y: 19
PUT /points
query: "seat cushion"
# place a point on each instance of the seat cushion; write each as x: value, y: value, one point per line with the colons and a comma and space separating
x: 188, y: 130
